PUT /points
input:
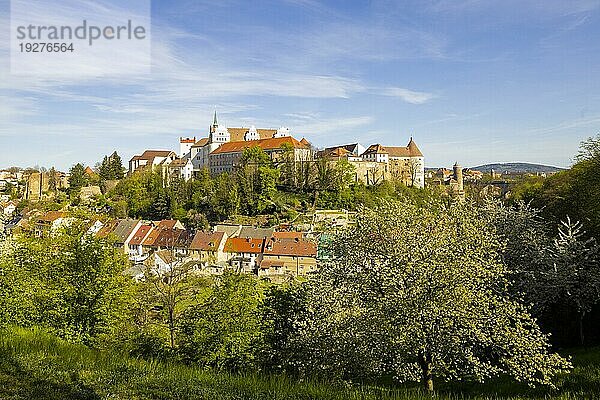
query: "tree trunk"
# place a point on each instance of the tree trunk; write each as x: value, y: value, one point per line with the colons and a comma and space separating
x: 581, y: 336
x: 427, y: 374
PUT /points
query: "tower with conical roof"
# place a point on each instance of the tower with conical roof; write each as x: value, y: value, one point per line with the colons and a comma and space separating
x: 218, y: 133
x: 215, y: 123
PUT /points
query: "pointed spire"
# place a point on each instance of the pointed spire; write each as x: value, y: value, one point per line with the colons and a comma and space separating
x: 215, y: 122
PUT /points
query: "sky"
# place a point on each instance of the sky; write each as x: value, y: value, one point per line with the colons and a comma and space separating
x: 471, y: 81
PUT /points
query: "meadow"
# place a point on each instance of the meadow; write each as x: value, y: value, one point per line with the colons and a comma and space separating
x: 37, y: 365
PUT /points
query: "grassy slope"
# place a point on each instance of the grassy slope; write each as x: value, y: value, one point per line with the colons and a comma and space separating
x: 34, y: 365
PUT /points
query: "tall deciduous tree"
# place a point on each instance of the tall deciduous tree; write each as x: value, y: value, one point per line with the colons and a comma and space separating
x: 420, y: 292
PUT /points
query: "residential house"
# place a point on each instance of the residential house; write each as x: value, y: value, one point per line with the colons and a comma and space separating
x: 50, y: 222
x: 136, y: 250
x: 181, y: 168
x: 151, y: 159
x: 209, y: 249
x: 124, y: 232
x: 244, y: 253
x: 288, y: 256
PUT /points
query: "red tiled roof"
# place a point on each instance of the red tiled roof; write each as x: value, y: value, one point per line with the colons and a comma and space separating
x: 140, y: 235
x: 168, y: 237
x: 180, y: 162
x: 414, y: 149
x: 287, y: 235
x: 265, y: 144
x: 207, y: 241
x: 151, y: 154
x: 151, y: 238
x: 297, y: 248
x: 167, y: 224
x: 148, y: 154
x: 411, y: 150
x: 108, y: 227
x: 244, y: 245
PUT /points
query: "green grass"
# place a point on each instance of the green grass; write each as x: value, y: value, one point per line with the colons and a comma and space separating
x: 35, y: 365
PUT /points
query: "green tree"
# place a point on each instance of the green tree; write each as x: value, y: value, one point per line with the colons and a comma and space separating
x: 170, y: 290
x: 257, y: 180
x: 224, y: 330
x: 284, y: 312
x: 70, y: 283
x: 225, y: 202
x: 111, y: 168
x: 574, y: 192
x: 420, y: 292
x: 77, y: 178
x: 52, y: 180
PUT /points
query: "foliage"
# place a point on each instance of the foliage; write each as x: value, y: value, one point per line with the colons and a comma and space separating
x: 69, y: 282
x: 549, y: 273
x: 34, y: 365
x: 571, y: 275
x: 169, y: 291
x: 422, y: 299
x: 111, y: 168
x: 284, y: 313
x: 257, y: 179
x: 574, y: 192
x: 77, y: 178
x: 223, y: 330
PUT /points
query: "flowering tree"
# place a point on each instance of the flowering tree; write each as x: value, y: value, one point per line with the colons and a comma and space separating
x: 572, y: 274
x: 420, y: 292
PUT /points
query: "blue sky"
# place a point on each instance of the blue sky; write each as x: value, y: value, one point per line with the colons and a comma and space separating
x: 472, y: 81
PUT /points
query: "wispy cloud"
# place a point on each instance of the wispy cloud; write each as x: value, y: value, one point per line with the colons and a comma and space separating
x: 409, y: 96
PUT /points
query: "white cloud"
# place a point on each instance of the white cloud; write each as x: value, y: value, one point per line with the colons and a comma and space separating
x: 409, y: 96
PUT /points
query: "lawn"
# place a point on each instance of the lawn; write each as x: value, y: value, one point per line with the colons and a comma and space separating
x: 35, y: 365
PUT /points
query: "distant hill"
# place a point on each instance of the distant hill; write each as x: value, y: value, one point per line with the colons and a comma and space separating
x: 517, y: 168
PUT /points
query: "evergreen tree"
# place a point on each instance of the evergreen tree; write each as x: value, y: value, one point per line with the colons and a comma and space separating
x: 77, y: 178
x: 116, y: 166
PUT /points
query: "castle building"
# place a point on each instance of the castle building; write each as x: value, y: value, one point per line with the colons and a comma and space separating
x: 207, y: 152
x: 378, y: 163
x: 227, y: 157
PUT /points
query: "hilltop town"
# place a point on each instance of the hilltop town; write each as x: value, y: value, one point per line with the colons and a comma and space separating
x: 275, y: 251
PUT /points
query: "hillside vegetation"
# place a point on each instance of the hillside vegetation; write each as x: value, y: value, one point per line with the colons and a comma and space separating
x: 36, y: 365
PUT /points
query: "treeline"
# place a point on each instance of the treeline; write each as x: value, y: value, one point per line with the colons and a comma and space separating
x: 573, y: 192
x: 257, y: 187
x: 417, y: 290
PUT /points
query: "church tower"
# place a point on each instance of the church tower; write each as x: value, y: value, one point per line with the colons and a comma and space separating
x: 218, y: 133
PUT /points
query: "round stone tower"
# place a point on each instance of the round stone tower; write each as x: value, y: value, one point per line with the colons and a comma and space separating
x: 458, y: 176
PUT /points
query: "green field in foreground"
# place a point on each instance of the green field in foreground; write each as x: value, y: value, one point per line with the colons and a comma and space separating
x: 35, y: 365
